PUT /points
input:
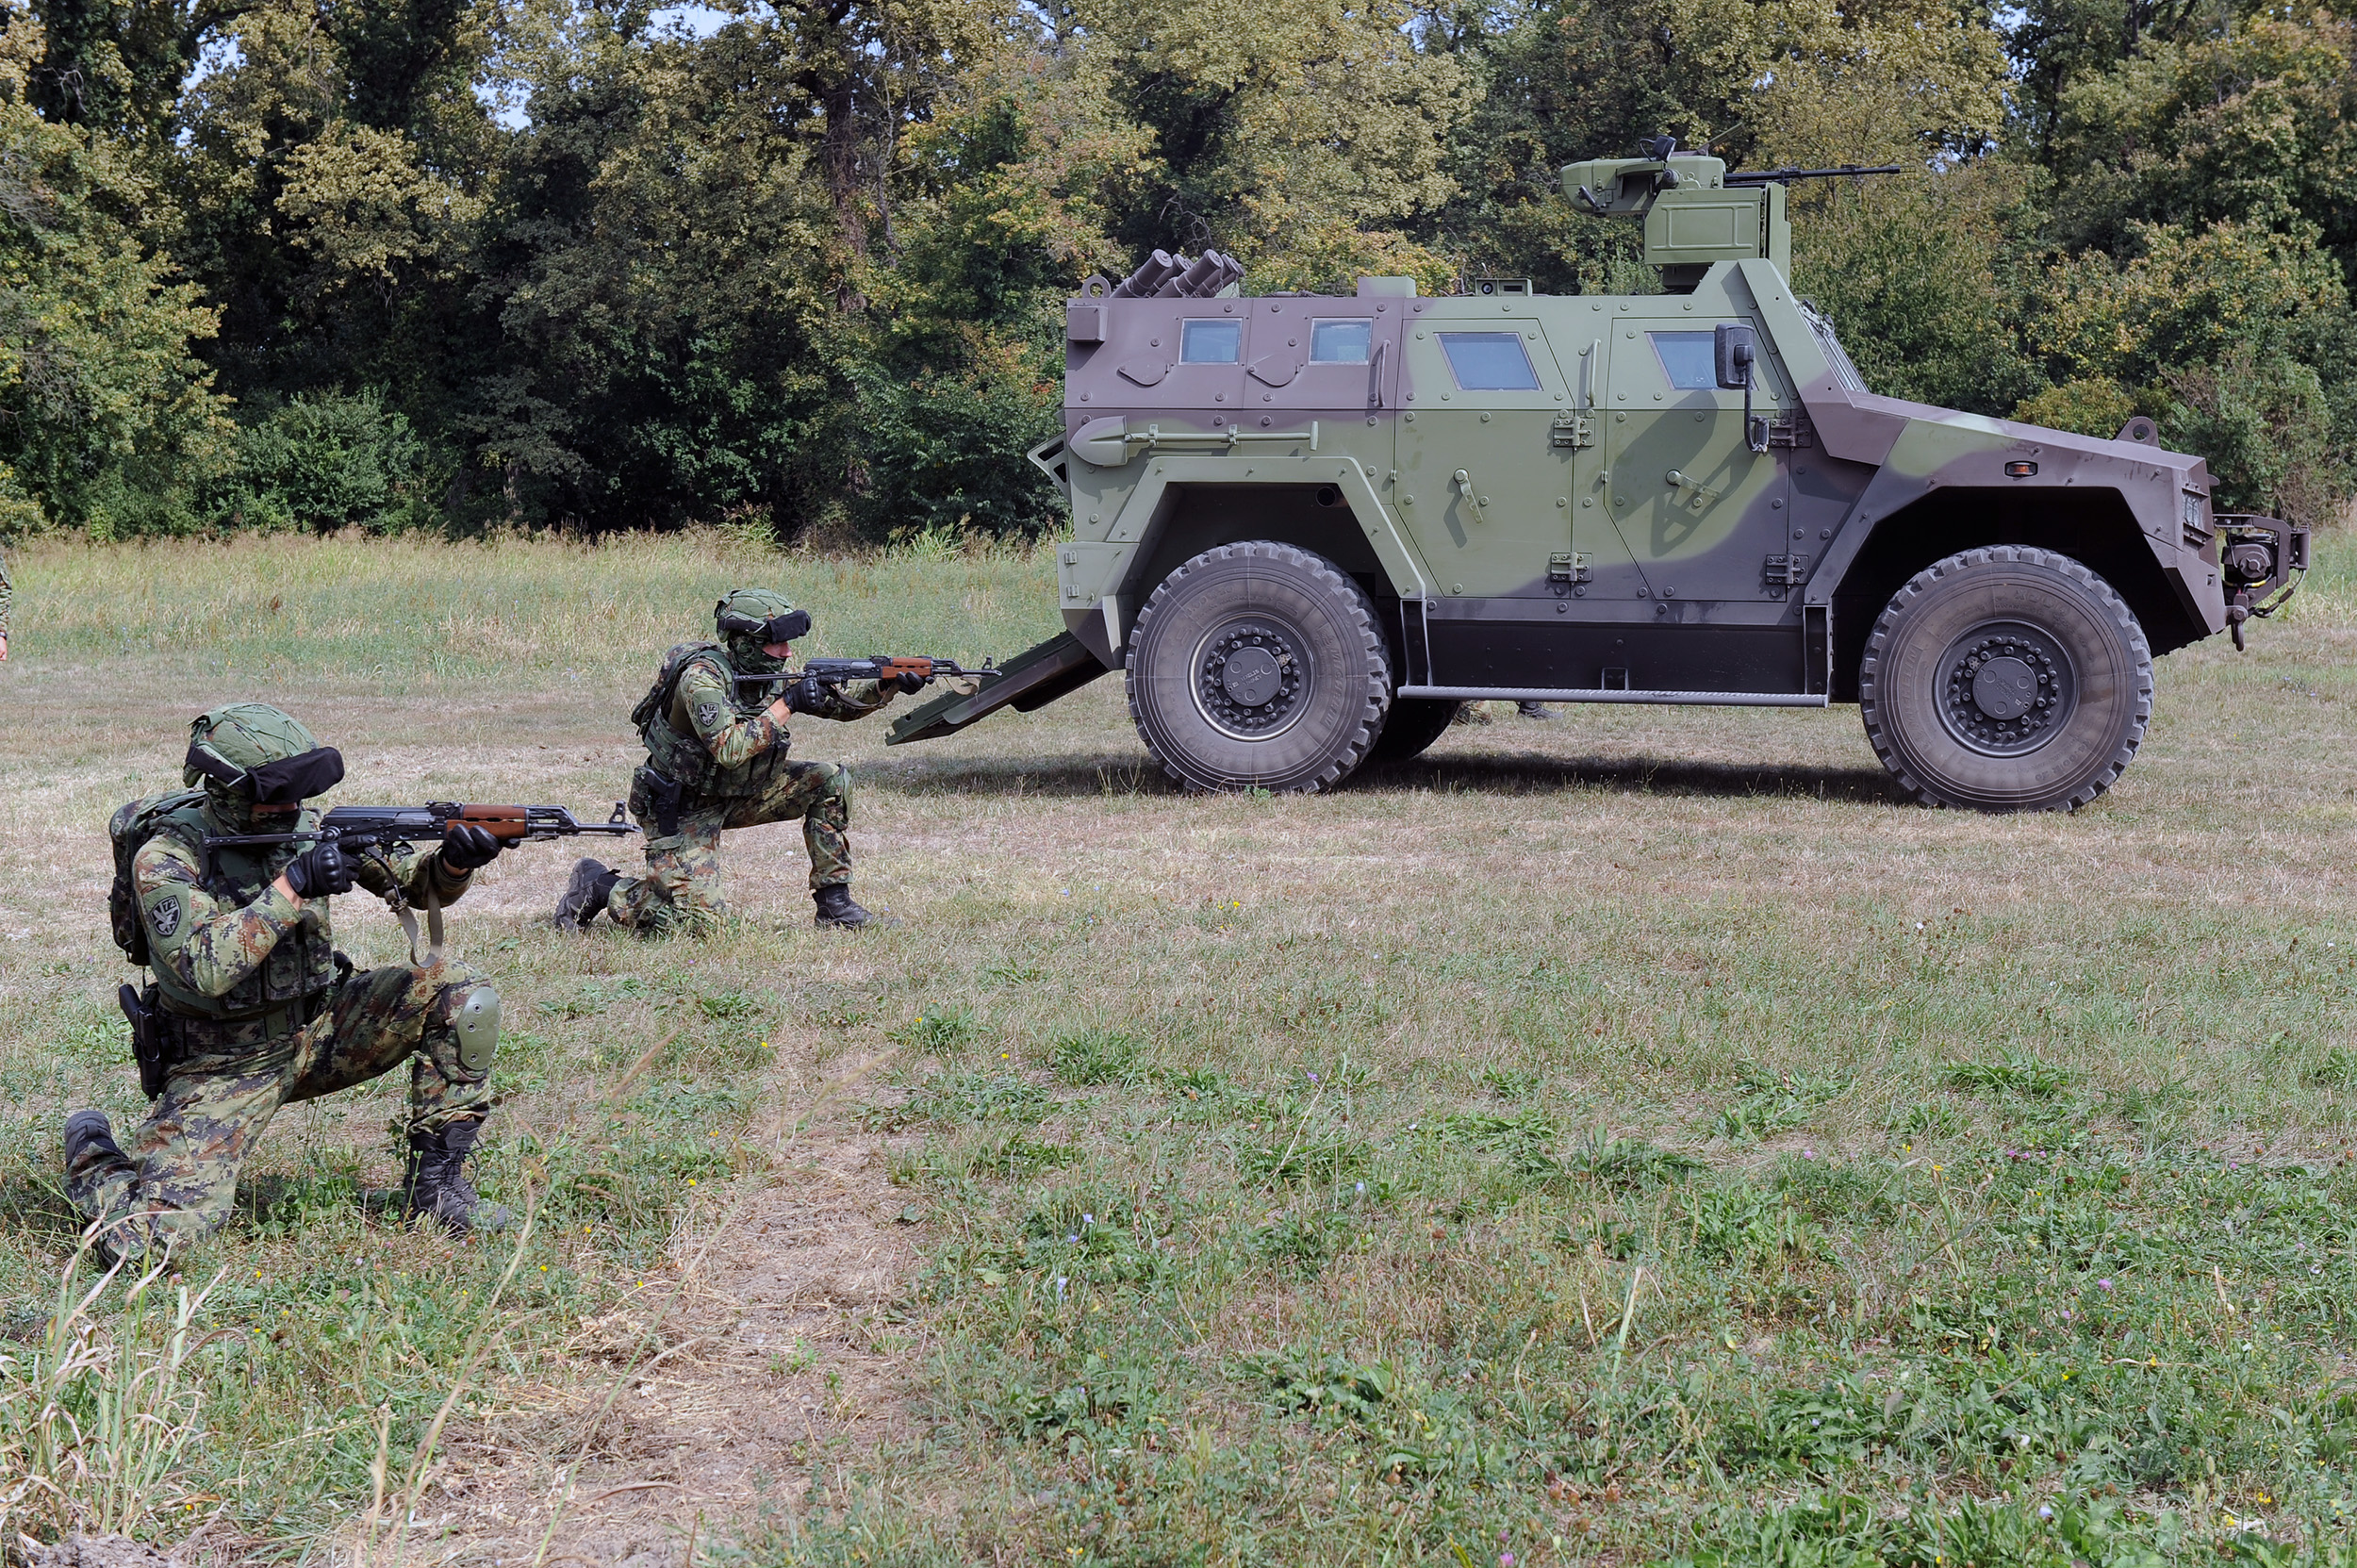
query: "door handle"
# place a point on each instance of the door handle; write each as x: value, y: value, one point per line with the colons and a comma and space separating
x: 1692, y: 493
x: 1476, y: 503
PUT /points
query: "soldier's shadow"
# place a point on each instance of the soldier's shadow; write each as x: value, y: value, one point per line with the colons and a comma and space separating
x: 1528, y: 773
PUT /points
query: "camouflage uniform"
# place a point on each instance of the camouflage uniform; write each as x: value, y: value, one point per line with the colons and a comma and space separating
x: 750, y: 781
x: 267, y: 1013
x: 6, y: 596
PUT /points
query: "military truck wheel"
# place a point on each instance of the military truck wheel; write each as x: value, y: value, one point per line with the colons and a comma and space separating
x: 1411, y: 727
x: 2007, y: 678
x: 1258, y: 663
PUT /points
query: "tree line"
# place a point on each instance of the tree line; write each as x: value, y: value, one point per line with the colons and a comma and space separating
x: 479, y: 264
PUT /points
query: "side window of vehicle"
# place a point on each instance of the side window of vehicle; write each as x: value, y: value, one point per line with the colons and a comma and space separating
x: 1688, y: 358
x: 1211, y: 343
x: 1340, y: 342
x: 1493, y: 361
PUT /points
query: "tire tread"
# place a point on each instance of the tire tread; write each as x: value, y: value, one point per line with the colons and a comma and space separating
x: 1913, y: 592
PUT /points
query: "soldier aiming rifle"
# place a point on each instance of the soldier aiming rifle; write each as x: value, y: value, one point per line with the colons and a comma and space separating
x: 715, y: 726
x: 222, y: 890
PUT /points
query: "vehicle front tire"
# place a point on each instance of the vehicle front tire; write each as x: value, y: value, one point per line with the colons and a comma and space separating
x: 2007, y: 678
x: 1258, y: 665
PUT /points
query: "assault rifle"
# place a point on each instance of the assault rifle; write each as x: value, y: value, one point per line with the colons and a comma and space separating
x: 365, y: 827
x: 883, y: 666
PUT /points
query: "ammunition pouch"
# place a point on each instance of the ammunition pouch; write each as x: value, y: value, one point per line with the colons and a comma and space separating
x: 462, y: 1031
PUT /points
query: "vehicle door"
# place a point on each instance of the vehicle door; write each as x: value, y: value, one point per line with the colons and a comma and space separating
x: 1703, y: 516
x: 1484, y: 483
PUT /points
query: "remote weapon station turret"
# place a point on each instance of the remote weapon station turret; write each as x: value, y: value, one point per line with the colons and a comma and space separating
x: 1307, y: 527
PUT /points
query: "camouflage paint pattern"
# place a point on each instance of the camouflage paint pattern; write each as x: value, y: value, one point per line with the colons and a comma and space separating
x: 1596, y: 494
x: 177, y: 1173
x: 756, y: 783
x: 8, y: 597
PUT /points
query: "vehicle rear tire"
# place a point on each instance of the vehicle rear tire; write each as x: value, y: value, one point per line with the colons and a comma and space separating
x: 2007, y: 678
x: 1258, y: 665
x: 1411, y: 727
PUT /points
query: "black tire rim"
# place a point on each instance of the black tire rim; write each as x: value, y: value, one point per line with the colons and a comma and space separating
x: 2006, y: 689
x: 1249, y: 681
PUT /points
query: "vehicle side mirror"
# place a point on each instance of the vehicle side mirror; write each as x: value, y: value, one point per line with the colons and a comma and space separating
x: 1738, y: 347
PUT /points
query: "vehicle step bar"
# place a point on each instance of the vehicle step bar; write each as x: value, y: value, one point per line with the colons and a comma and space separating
x: 1612, y: 694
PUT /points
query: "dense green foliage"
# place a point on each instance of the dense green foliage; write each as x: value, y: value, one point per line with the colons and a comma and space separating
x: 300, y: 263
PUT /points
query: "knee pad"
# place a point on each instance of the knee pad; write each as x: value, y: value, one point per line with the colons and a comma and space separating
x: 462, y: 1032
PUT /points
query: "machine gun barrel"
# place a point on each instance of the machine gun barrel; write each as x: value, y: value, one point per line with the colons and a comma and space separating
x: 1785, y: 176
x: 885, y: 667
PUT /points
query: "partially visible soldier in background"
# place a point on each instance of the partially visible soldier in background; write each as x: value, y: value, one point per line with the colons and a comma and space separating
x: 253, y: 1008
x: 6, y: 595
x: 716, y: 761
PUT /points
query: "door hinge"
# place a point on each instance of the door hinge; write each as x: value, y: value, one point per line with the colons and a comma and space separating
x: 1567, y: 566
x: 1692, y: 493
x: 1790, y: 430
x: 1780, y: 573
x: 1571, y: 429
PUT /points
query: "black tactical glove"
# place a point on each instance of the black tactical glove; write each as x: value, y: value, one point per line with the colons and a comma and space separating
x: 467, y: 846
x: 319, y: 871
x: 910, y: 682
x: 807, y: 695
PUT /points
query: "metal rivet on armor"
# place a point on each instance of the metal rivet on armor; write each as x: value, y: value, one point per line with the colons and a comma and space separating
x: 1562, y: 501
x: 1293, y: 342
x: 1272, y: 309
x: 1668, y: 593
x: 1154, y: 343
x: 1230, y: 309
x: 1457, y: 588
x: 1264, y: 397
x: 1265, y: 424
x: 1419, y: 337
x: 1445, y: 397
x: 1562, y: 609
x: 1641, y: 592
x: 1824, y: 533
x: 1800, y: 532
x: 1661, y: 609
x: 1657, y: 397
x: 1620, y: 418
x: 1485, y: 416
x: 1776, y: 505
x: 1222, y: 396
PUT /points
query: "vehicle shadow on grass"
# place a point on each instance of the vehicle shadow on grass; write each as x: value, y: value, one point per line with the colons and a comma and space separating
x: 1542, y: 775
x: 1073, y: 778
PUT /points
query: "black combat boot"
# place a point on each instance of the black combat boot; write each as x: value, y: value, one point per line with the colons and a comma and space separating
x: 835, y: 907
x: 585, y: 894
x: 434, y: 1181
x: 89, y: 1131
x: 1534, y: 710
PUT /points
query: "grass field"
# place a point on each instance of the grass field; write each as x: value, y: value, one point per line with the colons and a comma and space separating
x: 1630, y: 1137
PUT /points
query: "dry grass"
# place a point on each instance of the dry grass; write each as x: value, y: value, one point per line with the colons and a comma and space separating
x: 1363, y: 1096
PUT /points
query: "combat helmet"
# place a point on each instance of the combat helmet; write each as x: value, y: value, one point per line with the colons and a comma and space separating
x: 749, y: 620
x: 247, y: 755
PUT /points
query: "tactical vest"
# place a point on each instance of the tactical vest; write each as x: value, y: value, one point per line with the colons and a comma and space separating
x: 676, y: 751
x: 299, y: 969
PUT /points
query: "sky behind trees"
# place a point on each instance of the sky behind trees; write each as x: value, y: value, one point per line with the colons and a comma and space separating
x: 799, y: 266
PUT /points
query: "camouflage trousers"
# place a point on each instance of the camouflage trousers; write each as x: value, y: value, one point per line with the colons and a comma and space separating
x: 682, y: 881
x: 178, y: 1174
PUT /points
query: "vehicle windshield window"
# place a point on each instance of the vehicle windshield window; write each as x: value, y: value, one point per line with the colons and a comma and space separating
x: 1690, y: 360
x: 1211, y: 343
x: 1488, y: 362
x: 1339, y: 343
x: 1843, y: 370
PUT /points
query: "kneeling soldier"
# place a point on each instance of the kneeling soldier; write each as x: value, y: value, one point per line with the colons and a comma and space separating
x: 251, y: 1007
x: 716, y: 760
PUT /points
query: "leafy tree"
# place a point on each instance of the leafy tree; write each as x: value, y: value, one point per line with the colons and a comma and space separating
x: 108, y: 420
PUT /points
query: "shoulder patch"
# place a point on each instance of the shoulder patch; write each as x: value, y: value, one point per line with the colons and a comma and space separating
x: 163, y: 916
x: 707, y: 713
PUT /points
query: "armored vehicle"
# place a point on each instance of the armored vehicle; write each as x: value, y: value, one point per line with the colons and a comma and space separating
x: 1307, y: 527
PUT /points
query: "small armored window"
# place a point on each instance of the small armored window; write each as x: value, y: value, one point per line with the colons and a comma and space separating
x: 1340, y: 342
x: 1492, y: 361
x: 1688, y: 359
x: 1211, y: 343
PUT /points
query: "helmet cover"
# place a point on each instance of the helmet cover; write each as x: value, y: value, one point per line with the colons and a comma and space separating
x: 751, y: 620
x: 249, y: 753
